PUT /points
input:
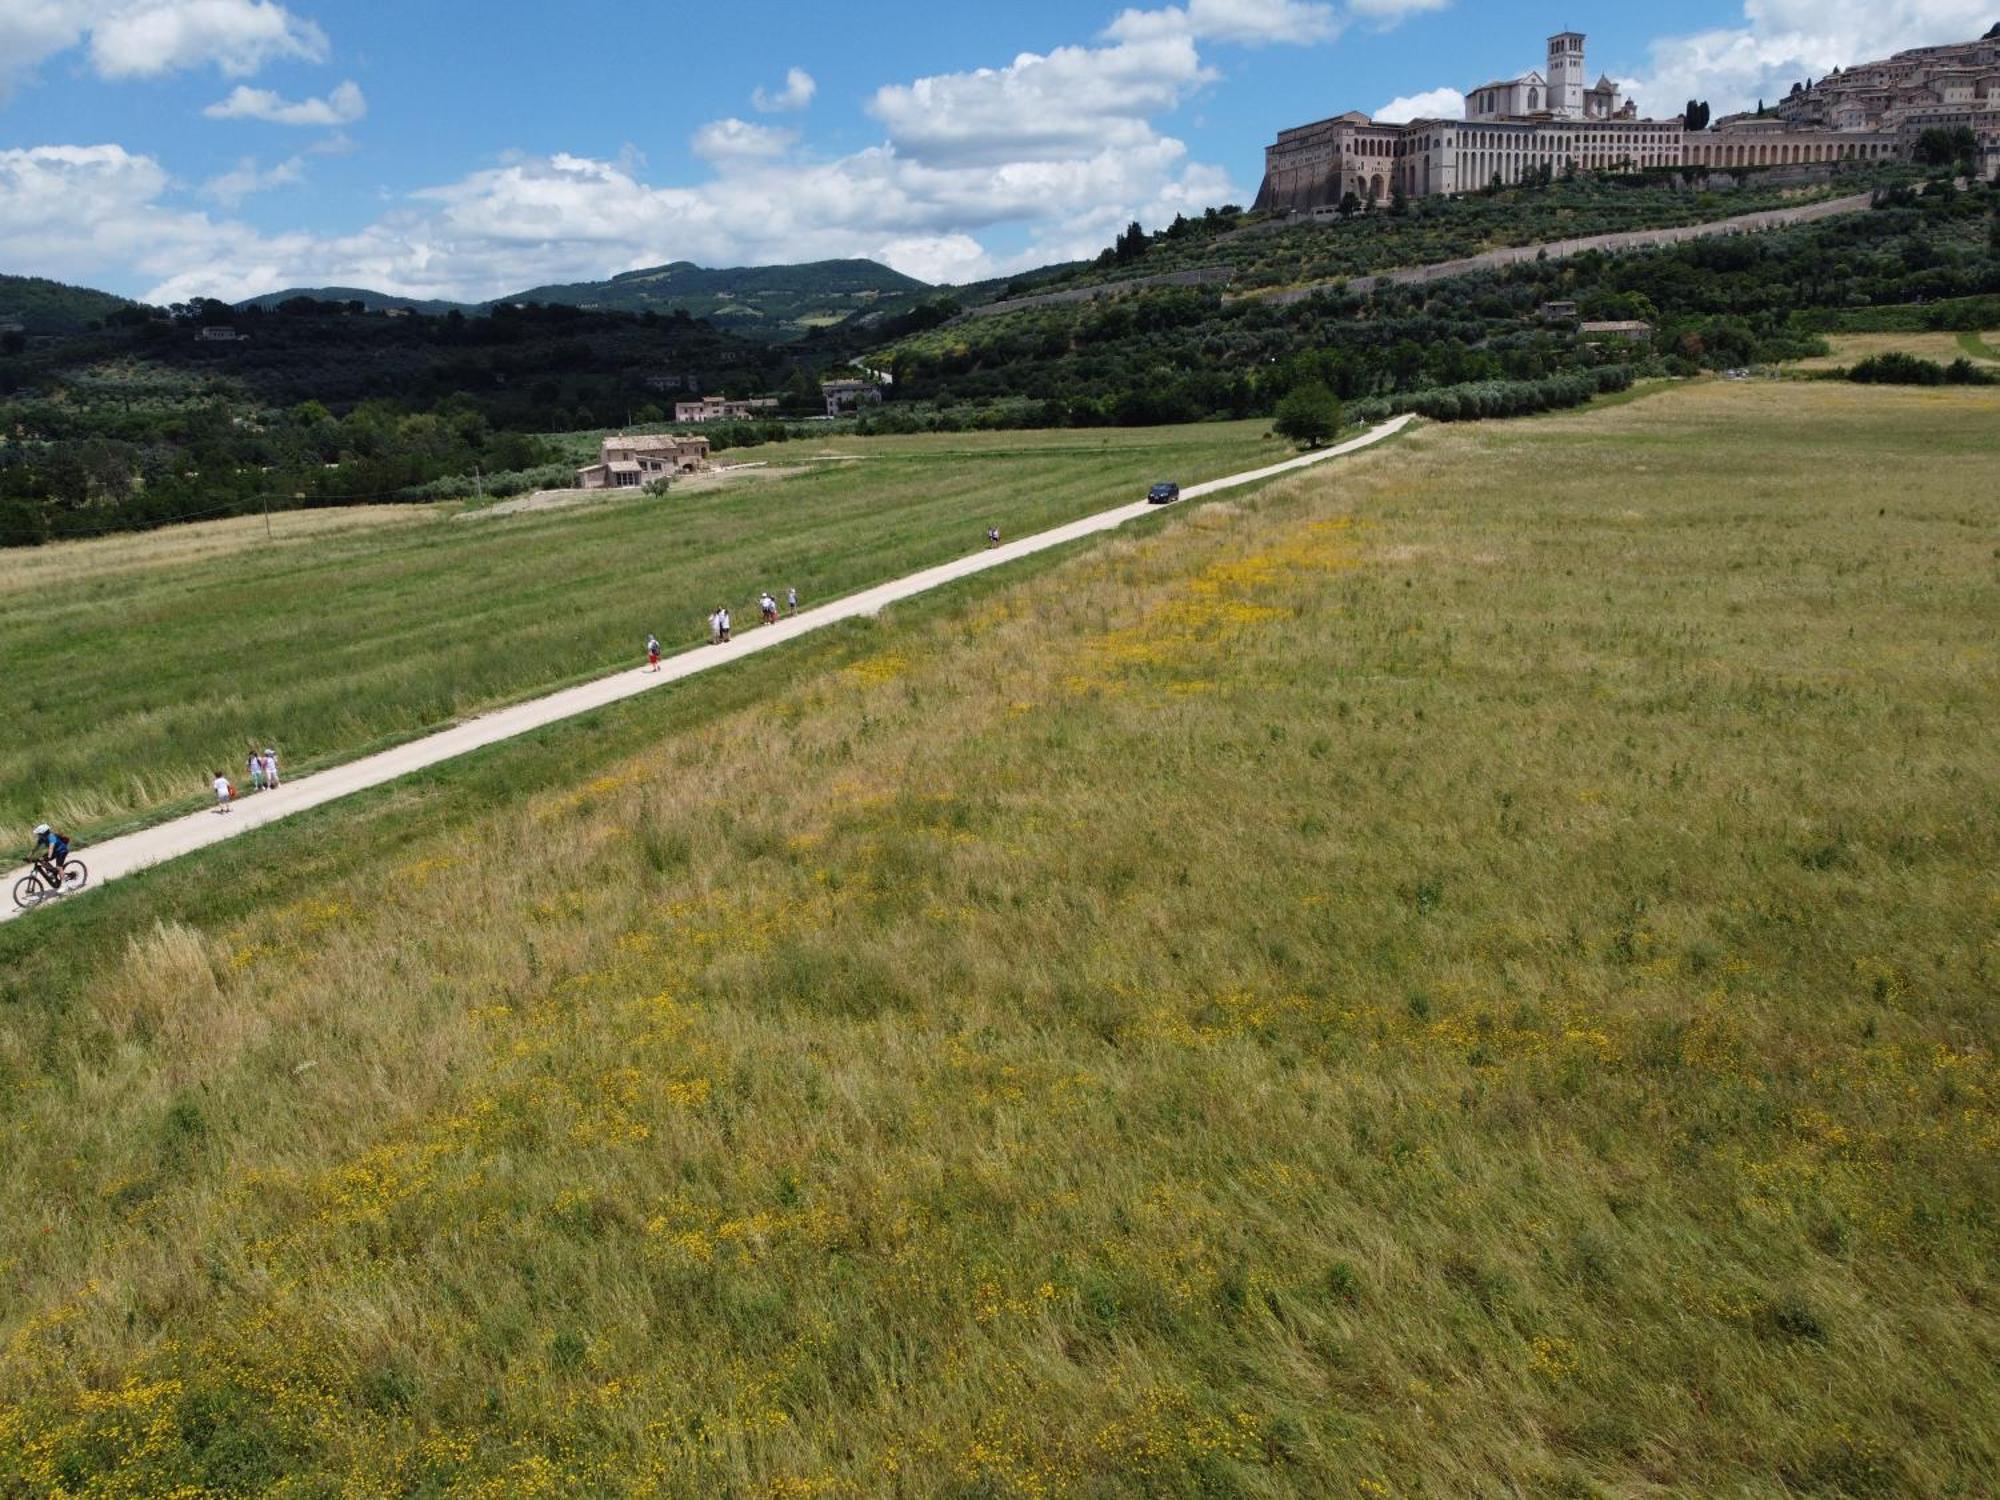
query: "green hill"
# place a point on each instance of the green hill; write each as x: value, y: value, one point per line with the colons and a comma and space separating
x: 772, y: 302
x: 372, y: 301
x: 42, y: 306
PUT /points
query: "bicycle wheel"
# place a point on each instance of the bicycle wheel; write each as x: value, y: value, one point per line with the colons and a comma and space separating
x: 28, y: 891
x: 75, y: 877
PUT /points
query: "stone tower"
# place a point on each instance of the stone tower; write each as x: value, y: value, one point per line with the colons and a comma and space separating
x: 1566, y: 80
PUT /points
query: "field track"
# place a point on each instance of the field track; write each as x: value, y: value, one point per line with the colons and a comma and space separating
x: 118, y: 857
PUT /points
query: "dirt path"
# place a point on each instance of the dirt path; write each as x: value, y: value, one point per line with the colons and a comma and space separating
x: 116, y: 858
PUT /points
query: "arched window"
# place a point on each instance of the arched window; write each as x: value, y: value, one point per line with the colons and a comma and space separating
x: 1534, y: 100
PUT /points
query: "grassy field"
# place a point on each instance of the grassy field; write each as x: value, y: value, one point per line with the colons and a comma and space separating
x: 1851, y: 348
x: 1468, y: 972
x: 142, y: 663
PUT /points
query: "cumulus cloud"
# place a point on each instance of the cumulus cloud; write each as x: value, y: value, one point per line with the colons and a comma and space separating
x: 1434, y: 104
x: 145, y: 38
x: 1782, y: 42
x: 1389, y: 12
x: 247, y: 178
x: 796, y: 94
x: 1073, y: 102
x: 343, y: 106
x: 735, y: 140
x: 80, y: 212
x: 1050, y: 154
x: 1252, y: 22
x: 237, y: 36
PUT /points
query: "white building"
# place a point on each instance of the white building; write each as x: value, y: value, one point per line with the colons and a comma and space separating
x: 1558, y: 94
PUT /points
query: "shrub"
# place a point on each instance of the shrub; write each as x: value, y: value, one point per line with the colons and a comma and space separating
x: 1907, y: 369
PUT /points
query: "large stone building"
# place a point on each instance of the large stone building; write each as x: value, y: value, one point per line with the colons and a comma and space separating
x: 1517, y: 128
x: 630, y: 462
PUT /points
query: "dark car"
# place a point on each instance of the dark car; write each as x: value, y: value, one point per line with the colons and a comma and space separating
x: 1163, y: 494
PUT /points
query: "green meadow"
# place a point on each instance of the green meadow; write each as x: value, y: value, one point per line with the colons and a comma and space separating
x: 1467, y: 971
x: 140, y: 664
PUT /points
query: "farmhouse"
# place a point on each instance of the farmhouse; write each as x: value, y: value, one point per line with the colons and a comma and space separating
x: 849, y: 395
x: 1629, y: 332
x: 630, y: 462
x: 721, y: 409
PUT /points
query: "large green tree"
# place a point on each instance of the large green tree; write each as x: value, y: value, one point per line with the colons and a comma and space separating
x: 1309, y: 415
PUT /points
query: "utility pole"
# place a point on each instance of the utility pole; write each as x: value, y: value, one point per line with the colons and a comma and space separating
x: 478, y: 486
x: 267, y: 515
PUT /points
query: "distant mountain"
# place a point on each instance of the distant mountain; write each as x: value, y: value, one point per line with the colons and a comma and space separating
x: 372, y: 301
x: 41, y: 306
x: 765, y: 302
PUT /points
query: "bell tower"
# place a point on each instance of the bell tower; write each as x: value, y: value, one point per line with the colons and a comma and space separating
x: 1566, y: 80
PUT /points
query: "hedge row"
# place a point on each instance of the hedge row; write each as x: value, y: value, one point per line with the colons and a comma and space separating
x: 1498, y: 398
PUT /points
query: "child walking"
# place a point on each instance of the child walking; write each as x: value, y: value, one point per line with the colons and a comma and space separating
x: 652, y: 653
x: 223, y: 792
x: 270, y: 768
x: 255, y: 766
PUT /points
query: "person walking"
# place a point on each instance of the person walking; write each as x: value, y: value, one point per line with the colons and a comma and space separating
x: 255, y: 766
x: 270, y: 769
x: 715, y: 626
x: 993, y: 536
x: 224, y: 792
x: 768, y: 607
x: 792, y: 601
x: 722, y: 615
x: 652, y: 653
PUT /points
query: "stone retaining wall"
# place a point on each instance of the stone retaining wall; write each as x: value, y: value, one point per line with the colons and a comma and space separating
x: 1638, y: 239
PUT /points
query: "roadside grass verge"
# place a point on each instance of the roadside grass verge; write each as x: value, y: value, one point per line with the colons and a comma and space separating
x: 1468, y: 971
x: 141, y: 664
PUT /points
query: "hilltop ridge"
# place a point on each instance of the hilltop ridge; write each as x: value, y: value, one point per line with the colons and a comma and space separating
x: 763, y: 302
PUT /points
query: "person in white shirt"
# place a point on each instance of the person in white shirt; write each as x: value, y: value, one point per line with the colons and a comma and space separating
x: 652, y: 653
x: 791, y: 601
x: 769, y: 607
x: 222, y: 792
x: 270, y: 768
x: 723, y: 616
x: 255, y: 766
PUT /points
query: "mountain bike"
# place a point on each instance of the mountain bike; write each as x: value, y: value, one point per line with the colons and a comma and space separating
x: 35, y: 887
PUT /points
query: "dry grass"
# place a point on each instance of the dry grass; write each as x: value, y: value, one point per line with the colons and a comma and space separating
x: 1470, y: 972
x: 145, y: 663
x: 1851, y: 348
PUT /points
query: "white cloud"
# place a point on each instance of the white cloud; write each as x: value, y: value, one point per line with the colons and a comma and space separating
x: 1389, y: 12
x: 1782, y: 42
x: 1052, y: 154
x: 796, y: 94
x: 1434, y: 104
x: 1254, y: 22
x: 1074, y: 102
x: 145, y: 38
x: 247, y: 179
x: 343, y: 106
x: 80, y: 210
x: 84, y: 212
x: 237, y: 36
x: 733, y: 140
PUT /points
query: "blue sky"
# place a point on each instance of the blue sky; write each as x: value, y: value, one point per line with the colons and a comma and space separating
x: 168, y: 148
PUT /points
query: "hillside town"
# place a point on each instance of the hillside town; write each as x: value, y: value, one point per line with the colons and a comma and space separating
x: 1552, y: 122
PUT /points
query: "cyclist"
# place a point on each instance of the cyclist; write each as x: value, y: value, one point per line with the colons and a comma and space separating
x: 51, y: 854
